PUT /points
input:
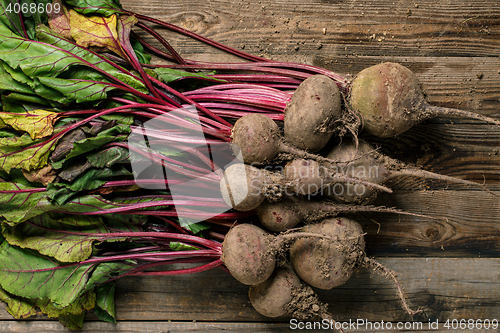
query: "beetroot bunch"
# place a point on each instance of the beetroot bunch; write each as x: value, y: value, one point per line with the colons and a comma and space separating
x: 297, y: 174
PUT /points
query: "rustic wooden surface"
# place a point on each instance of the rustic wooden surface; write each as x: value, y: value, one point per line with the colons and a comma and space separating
x: 449, y: 266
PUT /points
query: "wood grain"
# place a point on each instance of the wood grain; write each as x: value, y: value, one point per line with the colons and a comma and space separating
x: 178, y: 327
x: 444, y: 288
x: 449, y: 265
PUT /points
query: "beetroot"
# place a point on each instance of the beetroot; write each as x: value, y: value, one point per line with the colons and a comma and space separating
x: 284, y: 294
x: 311, y: 113
x: 389, y: 98
x: 309, y: 177
x: 325, y: 264
x: 364, y: 162
x: 291, y: 210
x: 245, y: 187
x: 257, y: 139
x: 271, y: 297
x: 249, y: 253
x: 246, y: 254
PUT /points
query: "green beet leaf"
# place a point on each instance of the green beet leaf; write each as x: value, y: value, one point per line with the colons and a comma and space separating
x: 37, y: 123
x: 49, y: 236
x: 19, y: 103
x: 7, y: 81
x: 72, y: 90
x: 91, y: 179
x: 168, y: 75
x: 23, y: 153
x: 52, y: 60
x: 18, y: 307
x: 117, y: 133
x: 108, y: 157
x: 9, y: 18
x: 26, y: 273
x: 105, y: 302
x: 101, y: 7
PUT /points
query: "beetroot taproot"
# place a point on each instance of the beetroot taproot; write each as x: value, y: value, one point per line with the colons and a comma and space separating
x: 389, y: 98
x: 367, y: 163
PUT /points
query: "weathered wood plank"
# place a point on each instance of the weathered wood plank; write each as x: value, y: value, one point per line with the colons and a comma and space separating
x: 426, y: 28
x: 464, y: 33
x: 464, y: 224
x: 178, y: 327
x: 444, y: 288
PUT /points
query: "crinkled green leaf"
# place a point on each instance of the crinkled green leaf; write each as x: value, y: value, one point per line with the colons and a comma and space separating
x: 7, y: 81
x: 18, y: 75
x: 85, y: 302
x: 17, y: 207
x: 116, y: 134
x: 176, y: 246
x: 19, y: 276
x: 71, y: 316
x: 49, y: 236
x: 26, y: 273
x: 65, y: 144
x: 52, y: 60
x: 18, y: 307
x: 101, y: 7
x: 105, y: 303
x: 10, y: 19
x: 70, y: 90
x: 88, y: 180
x: 167, y: 75
x: 37, y: 123
x: 18, y: 153
x: 108, y: 157
x: 19, y: 103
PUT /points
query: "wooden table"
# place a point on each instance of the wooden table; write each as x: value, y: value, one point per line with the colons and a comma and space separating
x: 450, y: 267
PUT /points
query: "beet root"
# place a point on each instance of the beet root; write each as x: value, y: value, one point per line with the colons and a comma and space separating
x: 242, y: 186
x: 366, y: 163
x: 291, y: 210
x: 257, y: 139
x: 283, y: 294
x: 308, y: 177
x: 247, y: 255
x: 271, y: 297
x: 324, y: 263
x: 389, y: 98
x: 309, y: 115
